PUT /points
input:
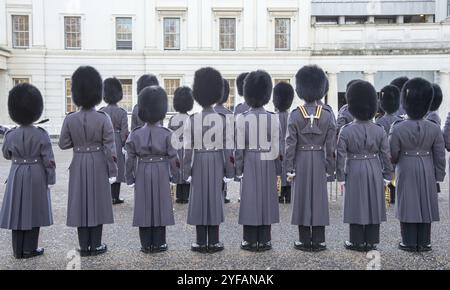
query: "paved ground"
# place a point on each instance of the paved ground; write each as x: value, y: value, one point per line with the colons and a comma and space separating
x: 60, y: 241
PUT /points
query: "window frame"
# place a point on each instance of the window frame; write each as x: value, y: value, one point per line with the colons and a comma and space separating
x: 289, y: 33
x: 116, y: 33
x: 170, y: 109
x: 66, y: 89
x: 13, y: 32
x: 178, y: 33
x: 235, y: 33
x: 80, y: 18
x: 14, y: 78
x: 131, y: 96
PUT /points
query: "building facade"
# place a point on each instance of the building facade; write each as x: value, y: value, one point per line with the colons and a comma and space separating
x: 44, y: 41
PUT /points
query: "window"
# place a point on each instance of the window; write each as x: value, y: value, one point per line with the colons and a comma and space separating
x: 277, y: 81
x: 355, y: 20
x: 414, y: 19
x: 232, y: 97
x: 72, y: 32
x: 18, y: 81
x: 20, y: 31
x: 227, y: 34
x: 170, y: 86
x: 326, y: 20
x: 172, y: 33
x: 385, y: 20
x: 282, y: 33
x: 448, y: 7
x: 70, y: 106
x: 124, y: 33
x: 127, y: 101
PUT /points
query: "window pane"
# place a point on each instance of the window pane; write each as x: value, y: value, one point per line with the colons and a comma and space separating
x: 171, y: 33
x: 227, y: 33
x: 17, y: 81
x: 127, y: 101
x: 282, y: 33
x: 232, y: 98
x: 20, y: 31
x: 277, y: 81
x: 170, y: 86
x: 72, y: 32
x: 124, y: 33
x: 70, y: 106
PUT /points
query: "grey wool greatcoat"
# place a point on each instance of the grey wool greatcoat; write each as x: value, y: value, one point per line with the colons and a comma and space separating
x: 344, y: 117
x: 178, y: 174
x: 447, y: 135
x: 207, y: 163
x: 283, y: 121
x: 91, y: 136
x: 434, y: 117
x: 226, y: 112
x: 119, y: 119
x: 150, y: 160
x: 259, y: 196
x: 309, y: 153
x: 363, y: 162
x: 418, y: 151
x: 241, y: 108
x: 386, y: 122
x: 26, y: 203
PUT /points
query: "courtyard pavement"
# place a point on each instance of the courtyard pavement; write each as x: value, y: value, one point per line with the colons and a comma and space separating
x: 60, y: 241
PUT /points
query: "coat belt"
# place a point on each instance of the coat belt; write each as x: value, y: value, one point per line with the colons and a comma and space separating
x: 310, y: 148
x: 153, y: 159
x: 25, y: 161
x: 206, y: 150
x: 361, y: 156
x: 416, y: 153
x: 87, y: 149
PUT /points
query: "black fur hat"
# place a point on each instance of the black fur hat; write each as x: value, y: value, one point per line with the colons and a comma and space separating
x: 311, y: 83
x: 87, y: 87
x: 112, y: 91
x: 152, y: 104
x: 147, y: 80
x: 283, y: 96
x: 183, y: 101
x: 25, y: 104
x: 240, y: 83
x: 208, y: 86
x: 258, y: 88
x: 416, y: 98
x: 362, y: 100
x: 390, y: 99
x: 226, y: 92
x: 399, y: 82
x: 437, y: 100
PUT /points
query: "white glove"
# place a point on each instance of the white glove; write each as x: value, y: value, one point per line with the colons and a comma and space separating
x: 227, y: 180
x: 132, y: 185
x: 189, y: 180
x: 341, y: 185
x: 124, y: 152
x: 112, y: 180
x: 50, y: 186
x: 240, y: 177
x: 387, y: 182
x: 290, y: 177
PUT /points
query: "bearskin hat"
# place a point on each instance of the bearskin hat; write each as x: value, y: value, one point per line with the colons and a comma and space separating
x: 362, y: 100
x: 25, y: 104
x: 208, y: 86
x: 283, y: 96
x: 112, y: 91
x: 416, y: 98
x: 390, y: 99
x: 152, y: 104
x: 226, y: 92
x: 437, y: 100
x: 399, y: 82
x: 87, y: 87
x: 183, y: 101
x: 240, y: 83
x: 311, y: 82
x: 258, y: 88
x: 147, y: 80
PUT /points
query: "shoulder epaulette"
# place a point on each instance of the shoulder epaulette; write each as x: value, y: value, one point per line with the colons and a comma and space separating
x: 397, y: 122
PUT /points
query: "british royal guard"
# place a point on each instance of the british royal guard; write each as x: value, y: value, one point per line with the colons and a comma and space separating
x: 90, y: 134
x: 221, y: 109
x: 310, y: 146
x: 389, y: 102
x: 183, y: 102
x: 344, y: 116
x: 255, y: 167
x: 418, y: 151
x: 242, y: 107
x: 433, y: 115
x: 144, y: 81
x: 113, y: 94
x: 283, y: 96
x: 26, y: 203
x: 399, y: 83
x: 447, y: 134
x: 363, y: 167
x: 150, y: 160
x: 206, y: 162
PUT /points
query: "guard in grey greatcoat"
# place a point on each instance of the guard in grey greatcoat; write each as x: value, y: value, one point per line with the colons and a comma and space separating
x: 447, y: 135
x: 363, y: 167
x: 344, y: 116
x: 206, y: 163
x: 254, y: 165
x: 112, y: 94
x: 242, y: 107
x: 183, y: 102
x: 433, y: 115
x: 144, y: 81
x: 220, y: 108
x: 310, y: 145
x: 150, y: 160
x: 399, y: 83
x: 283, y: 96
x: 418, y: 151
x: 390, y: 103
x: 26, y: 204
x: 90, y: 134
